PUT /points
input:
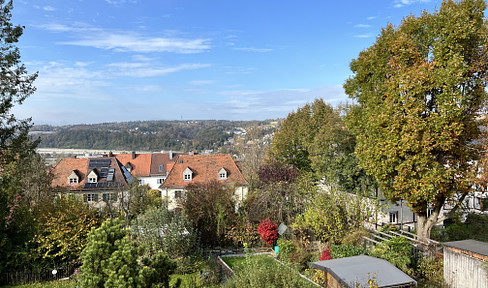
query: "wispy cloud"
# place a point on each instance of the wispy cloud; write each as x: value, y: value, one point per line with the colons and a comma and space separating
x: 120, y: 2
x: 401, y: 3
x: 362, y: 26
x: 126, y: 41
x: 145, y: 69
x: 371, y: 18
x: 252, y: 49
x: 59, y: 80
x: 363, y: 35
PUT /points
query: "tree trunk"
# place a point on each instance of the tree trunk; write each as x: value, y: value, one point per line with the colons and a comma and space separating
x: 425, y: 224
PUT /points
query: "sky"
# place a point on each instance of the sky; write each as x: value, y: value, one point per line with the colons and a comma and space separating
x: 130, y: 60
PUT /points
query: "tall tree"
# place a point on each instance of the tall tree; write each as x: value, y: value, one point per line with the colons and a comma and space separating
x: 333, y: 159
x: 420, y: 88
x: 291, y: 144
x: 15, y: 145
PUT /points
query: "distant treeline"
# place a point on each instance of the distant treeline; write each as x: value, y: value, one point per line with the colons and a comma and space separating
x: 144, y: 135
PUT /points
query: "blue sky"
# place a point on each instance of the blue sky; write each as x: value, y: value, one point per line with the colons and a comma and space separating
x: 128, y: 60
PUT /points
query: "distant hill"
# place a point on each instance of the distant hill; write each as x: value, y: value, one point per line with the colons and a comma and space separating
x: 147, y: 135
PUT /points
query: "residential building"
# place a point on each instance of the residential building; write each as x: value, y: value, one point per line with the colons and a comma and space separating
x: 149, y: 168
x: 199, y: 169
x: 98, y: 181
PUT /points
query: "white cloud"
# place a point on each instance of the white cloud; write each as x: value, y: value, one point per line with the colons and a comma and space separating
x: 141, y: 69
x: 48, y: 8
x: 401, y: 3
x: 363, y: 36
x: 126, y: 41
x: 371, y: 18
x: 252, y: 49
x: 362, y: 26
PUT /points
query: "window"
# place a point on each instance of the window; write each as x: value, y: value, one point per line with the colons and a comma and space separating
x: 187, y: 174
x: 222, y: 174
x: 161, y: 168
x: 92, y: 180
x: 394, y: 217
x: 91, y: 197
x: 109, y: 197
x: 73, y: 180
x: 160, y: 180
x: 141, y: 181
x: 177, y: 194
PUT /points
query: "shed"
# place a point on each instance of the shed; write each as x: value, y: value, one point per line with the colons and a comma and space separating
x: 463, y: 263
x: 356, y: 271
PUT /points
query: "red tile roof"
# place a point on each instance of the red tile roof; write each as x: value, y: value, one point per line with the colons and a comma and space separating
x: 145, y: 165
x: 141, y: 165
x: 205, y: 168
x: 66, y: 166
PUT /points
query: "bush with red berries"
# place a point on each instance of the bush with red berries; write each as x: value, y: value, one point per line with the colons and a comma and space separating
x: 268, y: 230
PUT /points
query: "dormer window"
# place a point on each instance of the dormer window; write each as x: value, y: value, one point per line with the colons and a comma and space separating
x: 128, y: 166
x: 161, y: 168
x: 222, y: 174
x: 73, y: 178
x: 92, y: 177
x: 187, y: 174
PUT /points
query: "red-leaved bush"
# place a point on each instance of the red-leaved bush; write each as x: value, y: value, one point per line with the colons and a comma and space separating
x: 325, y: 255
x: 268, y: 230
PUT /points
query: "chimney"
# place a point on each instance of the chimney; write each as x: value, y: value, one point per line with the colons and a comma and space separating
x: 133, y: 154
x: 170, y: 154
x: 110, y: 154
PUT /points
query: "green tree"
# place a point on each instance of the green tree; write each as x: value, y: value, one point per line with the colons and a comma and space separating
x: 333, y: 159
x: 102, y: 243
x: 62, y: 230
x: 210, y: 206
x: 420, y: 88
x: 15, y: 145
x: 291, y: 144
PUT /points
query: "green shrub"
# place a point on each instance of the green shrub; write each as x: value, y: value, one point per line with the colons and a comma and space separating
x: 342, y: 251
x: 397, y: 251
x: 286, y: 249
x: 432, y: 271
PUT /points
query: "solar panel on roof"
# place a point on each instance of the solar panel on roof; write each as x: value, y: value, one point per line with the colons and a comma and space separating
x: 99, y: 163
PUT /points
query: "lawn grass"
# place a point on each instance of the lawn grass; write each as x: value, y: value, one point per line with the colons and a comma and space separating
x: 236, y: 262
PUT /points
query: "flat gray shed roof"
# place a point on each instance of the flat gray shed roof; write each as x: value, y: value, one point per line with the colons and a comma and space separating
x: 469, y: 245
x: 359, y: 269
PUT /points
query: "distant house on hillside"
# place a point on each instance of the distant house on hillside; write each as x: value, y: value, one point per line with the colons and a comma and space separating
x: 149, y: 168
x: 199, y: 169
x: 97, y: 181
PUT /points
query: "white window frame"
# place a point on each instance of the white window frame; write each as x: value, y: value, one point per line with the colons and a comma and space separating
x: 92, y: 180
x: 90, y: 197
x: 394, y: 217
x: 73, y: 180
x: 187, y: 177
x: 160, y: 181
